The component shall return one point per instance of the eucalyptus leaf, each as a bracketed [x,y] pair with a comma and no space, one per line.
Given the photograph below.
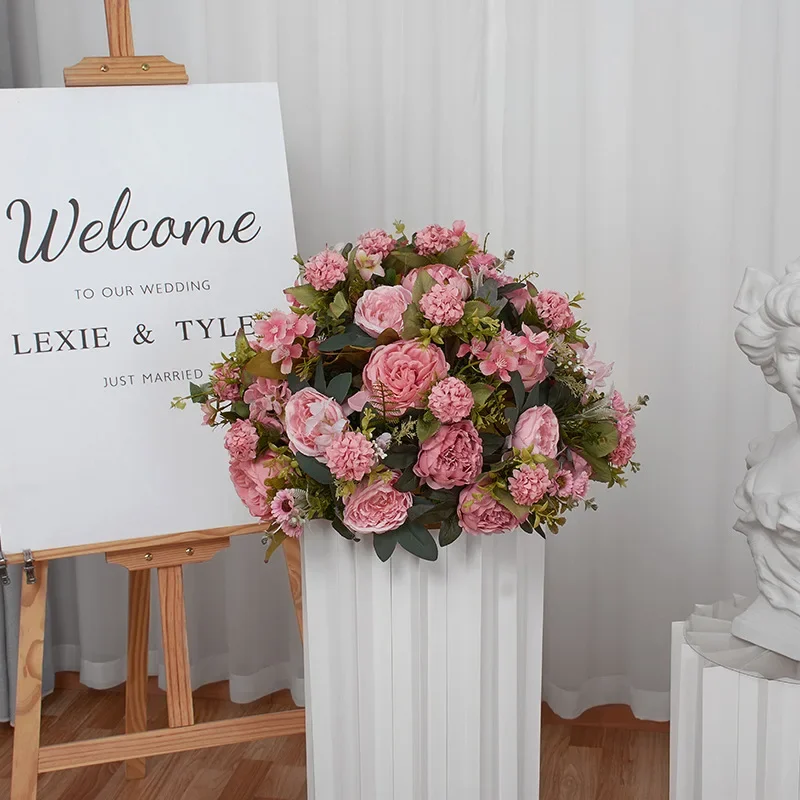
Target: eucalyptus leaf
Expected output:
[339,386]
[427,425]
[404,259]
[511,414]
[339,307]
[526,526]
[242,410]
[454,256]
[518,388]
[449,530]
[492,442]
[422,506]
[408,481]
[199,394]
[295,384]
[384,544]
[417,540]
[436,514]
[510,287]
[305,294]
[319,377]
[261,366]
[424,283]
[540,530]
[352,337]
[343,530]
[534,397]
[316,471]
[399,460]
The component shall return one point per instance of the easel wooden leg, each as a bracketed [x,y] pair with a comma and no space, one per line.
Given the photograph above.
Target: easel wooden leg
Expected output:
[180,710]
[25,770]
[136,685]
[291,552]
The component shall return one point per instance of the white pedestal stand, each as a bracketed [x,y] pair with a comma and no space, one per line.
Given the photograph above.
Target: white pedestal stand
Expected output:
[735,718]
[423,680]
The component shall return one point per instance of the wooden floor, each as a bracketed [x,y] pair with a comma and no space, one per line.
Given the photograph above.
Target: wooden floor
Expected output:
[605,755]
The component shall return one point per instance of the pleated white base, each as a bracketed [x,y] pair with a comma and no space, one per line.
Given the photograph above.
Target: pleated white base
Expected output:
[733,736]
[423,680]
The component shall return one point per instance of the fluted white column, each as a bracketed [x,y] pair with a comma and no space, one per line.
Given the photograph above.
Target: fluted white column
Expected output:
[423,680]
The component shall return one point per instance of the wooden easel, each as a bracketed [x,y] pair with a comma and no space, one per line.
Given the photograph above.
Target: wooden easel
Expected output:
[166,554]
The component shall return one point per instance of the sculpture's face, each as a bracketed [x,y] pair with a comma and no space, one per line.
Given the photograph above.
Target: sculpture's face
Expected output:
[787,361]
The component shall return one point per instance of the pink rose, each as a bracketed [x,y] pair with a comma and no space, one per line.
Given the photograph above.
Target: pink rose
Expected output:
[443,274]
[379,309]
[312,420]
[376,243]
[376,507]
[248,479]
[399,375]
[450,400]
[453,456]
[537,429]
[553,309]
[442,305]
[241,440]
[479,512]
[325,270]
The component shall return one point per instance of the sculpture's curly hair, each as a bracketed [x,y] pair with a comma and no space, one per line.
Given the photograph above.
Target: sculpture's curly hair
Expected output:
[757,333]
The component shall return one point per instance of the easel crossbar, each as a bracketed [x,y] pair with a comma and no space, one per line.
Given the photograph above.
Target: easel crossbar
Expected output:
[170,740]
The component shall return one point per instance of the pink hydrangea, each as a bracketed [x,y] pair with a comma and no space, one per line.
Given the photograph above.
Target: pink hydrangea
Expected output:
[350,456]
[529,484]
[618,403]
[325,270]
[478,512]
[624,451]
[382,308]
[225,380]
[553,310]
[267,399]
[376,242]
[241,440]
[435,239]
[451,400]
[442,305]
[441,273]
[453,456]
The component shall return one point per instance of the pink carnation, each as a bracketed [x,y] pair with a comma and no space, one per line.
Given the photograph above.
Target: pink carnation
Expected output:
[581,472]
[249,478]
[478,512]
[442,305]
[435,239]
[312,421]
[226,381]
[241,440]
[282,507]
[453,456]
[376,507]
[376,243]
[443,274]
[624,451]
[561,485]
[529,484]
[537,430]
[325,270]
[553,309]
[350,456]
[450,400]
[382,308]
[266,398]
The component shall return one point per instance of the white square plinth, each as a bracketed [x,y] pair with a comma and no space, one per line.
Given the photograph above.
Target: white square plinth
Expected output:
[732,736]
[423,680]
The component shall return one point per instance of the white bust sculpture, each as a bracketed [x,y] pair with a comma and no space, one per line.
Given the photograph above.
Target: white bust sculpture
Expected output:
[769,496]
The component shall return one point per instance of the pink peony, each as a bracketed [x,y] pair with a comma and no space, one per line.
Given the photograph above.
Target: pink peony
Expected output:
[312,420]
[241,440]
[376,507]
[479,512]
[442,305]
[325,270]
[624,451]
[376,243]
[529,484]
[248,479]
[537,430]
[350,456]
[453,456]
[379,309]
[536,348]
[225,380]
[441,273]
[266,398]
[435,239]
[450,400]
[399,375]
[553,309]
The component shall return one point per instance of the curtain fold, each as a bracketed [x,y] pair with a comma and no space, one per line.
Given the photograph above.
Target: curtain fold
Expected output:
[641,150]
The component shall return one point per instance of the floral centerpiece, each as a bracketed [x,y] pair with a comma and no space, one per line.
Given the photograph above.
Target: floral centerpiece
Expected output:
[413,384]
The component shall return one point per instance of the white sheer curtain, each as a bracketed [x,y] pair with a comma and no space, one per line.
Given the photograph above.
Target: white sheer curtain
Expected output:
[642,150]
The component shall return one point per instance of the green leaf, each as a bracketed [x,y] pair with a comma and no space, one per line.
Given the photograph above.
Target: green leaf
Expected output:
[436,514]
[540,530]
[242,410]
[319,377]
[199,394]
[400,460]
[455,255]
[352,337]
[481,393]
[449,531]
[505,498]
[346,250]
[477,308]
[343,530]
[511,414]
[261,366]
[510,287]
[408,481]
[603,438]
[526,526]
[417,539]
[295,384]
[424,283]
[339,386]
[316,471]
[384,544]
[404,259]
[339,307]
[492,442]
[420,508]
[413,320]
[488,291]
[518,388]
[305,294]
[601,471]
[534,397]
[427,425]
[243,349]
[276,541]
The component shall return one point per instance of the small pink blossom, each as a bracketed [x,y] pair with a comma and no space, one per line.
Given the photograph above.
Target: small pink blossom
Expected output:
[450,400]
[596,371]
[481,263]
[350,456]
[376,242]
[208,413]
[441,273]
[536,348]
[537,430]
[442,305]
[241,440]
[502,355]
[477,348]
[267,399]
[553,310]
[624,451]
[325,270]
[283,505]
[529,484]
[368,265]
[226,381]
[281,328]
[459,226]
[382,308]
[435,239]
[479,512]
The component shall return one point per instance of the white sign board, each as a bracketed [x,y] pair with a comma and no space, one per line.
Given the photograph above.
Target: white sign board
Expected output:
[139,227]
